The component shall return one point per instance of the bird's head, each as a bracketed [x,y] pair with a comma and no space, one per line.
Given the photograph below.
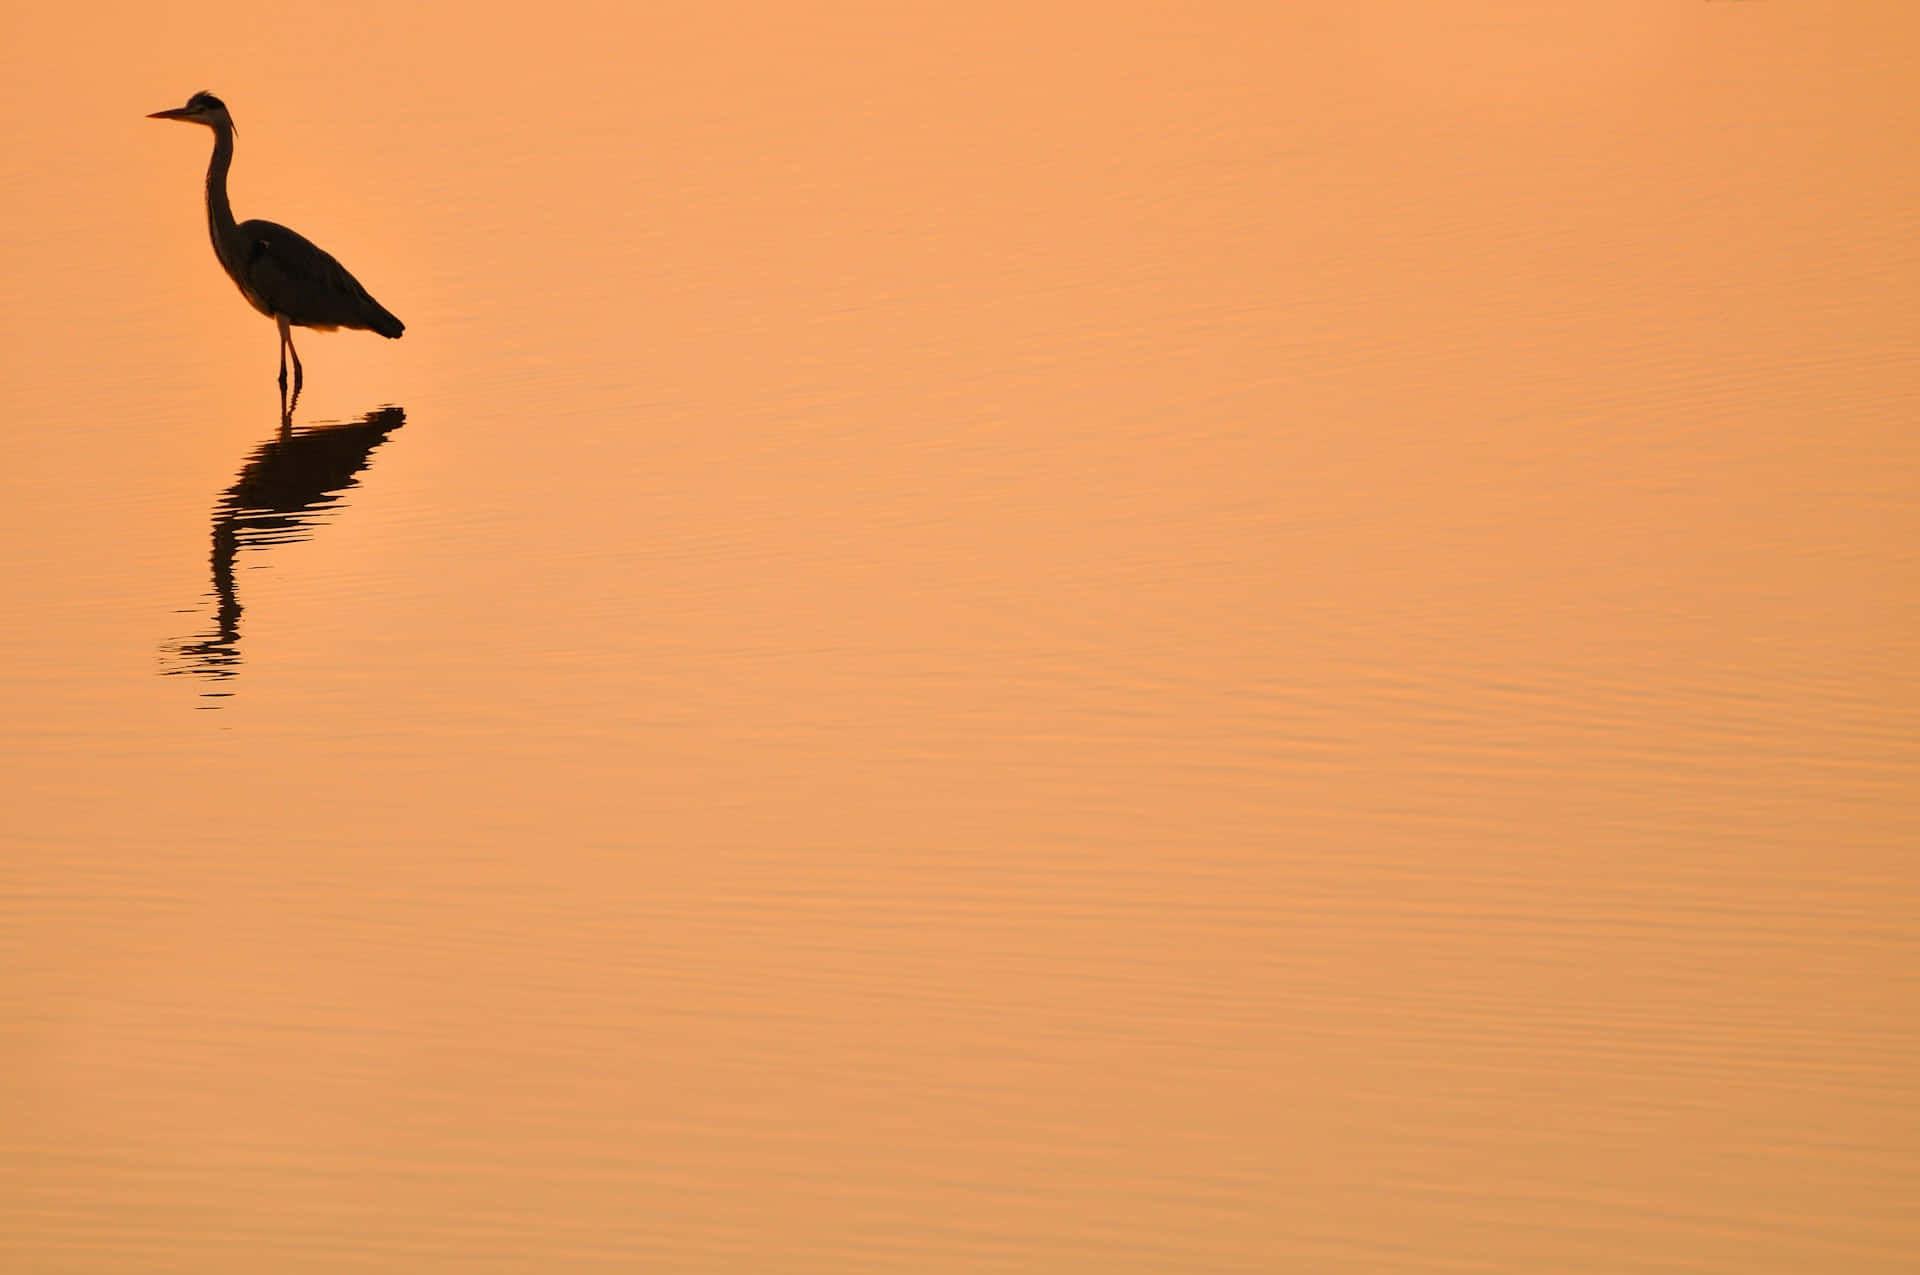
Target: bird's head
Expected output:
[201,108]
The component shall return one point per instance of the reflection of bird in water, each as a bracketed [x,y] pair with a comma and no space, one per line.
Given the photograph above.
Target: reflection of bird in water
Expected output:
[280,273]
[287,489]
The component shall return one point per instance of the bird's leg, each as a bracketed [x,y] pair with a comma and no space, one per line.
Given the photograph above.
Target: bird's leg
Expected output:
[286,348]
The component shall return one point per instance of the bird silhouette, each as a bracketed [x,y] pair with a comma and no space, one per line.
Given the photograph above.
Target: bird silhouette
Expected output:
[282,274]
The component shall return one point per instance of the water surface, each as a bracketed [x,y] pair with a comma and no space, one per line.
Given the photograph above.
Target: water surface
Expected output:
[1045,638]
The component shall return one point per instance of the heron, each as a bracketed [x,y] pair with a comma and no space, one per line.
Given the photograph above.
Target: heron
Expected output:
[283,275]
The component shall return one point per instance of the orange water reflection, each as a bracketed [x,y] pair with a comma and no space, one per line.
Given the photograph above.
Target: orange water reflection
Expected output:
[1222,637]
[287,489]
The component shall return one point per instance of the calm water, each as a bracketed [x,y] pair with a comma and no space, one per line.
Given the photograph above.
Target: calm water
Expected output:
[1228,638]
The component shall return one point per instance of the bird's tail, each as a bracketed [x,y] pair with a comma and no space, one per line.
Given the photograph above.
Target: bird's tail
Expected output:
[383,322]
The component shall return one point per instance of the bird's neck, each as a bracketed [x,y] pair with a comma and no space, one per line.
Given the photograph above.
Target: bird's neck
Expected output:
[220,213]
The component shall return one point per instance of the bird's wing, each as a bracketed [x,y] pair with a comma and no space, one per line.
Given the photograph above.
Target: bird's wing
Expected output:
[296,278]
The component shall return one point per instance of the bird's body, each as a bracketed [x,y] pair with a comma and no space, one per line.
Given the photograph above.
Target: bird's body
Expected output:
[281,271]
[282,274]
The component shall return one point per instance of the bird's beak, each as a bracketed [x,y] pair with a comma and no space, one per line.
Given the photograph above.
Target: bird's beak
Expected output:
[177,113]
